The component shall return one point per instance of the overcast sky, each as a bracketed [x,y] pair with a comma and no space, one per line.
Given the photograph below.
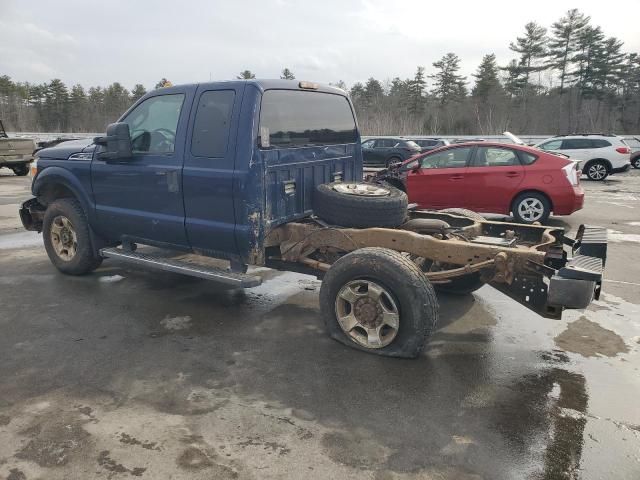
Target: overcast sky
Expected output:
[97,43]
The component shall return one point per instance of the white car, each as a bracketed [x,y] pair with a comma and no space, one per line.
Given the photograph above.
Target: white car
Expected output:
[598,155]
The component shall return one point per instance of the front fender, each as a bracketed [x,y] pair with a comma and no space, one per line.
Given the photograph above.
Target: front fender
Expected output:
[54,175]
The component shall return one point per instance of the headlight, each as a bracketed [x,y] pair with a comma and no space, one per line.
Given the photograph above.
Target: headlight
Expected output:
[81,156]
[33,168]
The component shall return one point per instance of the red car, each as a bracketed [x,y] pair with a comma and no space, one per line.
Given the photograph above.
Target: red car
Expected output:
[491,178]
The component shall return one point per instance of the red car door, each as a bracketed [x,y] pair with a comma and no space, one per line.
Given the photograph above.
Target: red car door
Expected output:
[492,179]
[439,180]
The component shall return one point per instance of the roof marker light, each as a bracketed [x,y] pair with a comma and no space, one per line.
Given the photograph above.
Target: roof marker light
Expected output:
[308,85]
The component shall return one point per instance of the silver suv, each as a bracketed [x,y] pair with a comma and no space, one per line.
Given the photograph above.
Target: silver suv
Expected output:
[599,155]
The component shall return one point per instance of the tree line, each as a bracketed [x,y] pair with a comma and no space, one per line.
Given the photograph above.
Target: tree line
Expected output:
[569,78]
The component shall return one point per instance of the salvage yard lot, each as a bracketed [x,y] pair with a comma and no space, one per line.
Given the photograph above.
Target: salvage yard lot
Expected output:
[127,373]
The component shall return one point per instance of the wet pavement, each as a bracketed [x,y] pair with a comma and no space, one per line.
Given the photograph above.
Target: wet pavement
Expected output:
[126,374]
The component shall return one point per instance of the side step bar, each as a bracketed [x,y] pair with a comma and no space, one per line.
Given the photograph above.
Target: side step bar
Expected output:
[239,280]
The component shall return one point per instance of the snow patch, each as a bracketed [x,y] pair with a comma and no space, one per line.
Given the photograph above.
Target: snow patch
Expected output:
[618,236]
[20,240]
[176,323]
[111,278]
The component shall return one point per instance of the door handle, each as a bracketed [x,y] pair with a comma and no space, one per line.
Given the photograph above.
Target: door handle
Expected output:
[456,177]
[513,174]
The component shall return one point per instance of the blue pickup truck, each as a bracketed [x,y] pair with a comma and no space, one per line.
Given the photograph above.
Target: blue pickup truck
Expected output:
[269,173]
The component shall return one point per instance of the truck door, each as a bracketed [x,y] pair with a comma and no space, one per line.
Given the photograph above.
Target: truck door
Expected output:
[208,173]
[141,196]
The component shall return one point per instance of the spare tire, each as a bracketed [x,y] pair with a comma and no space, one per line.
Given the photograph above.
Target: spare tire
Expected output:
[360,205]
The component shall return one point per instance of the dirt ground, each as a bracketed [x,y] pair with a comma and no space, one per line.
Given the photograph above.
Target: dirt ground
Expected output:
[132,374]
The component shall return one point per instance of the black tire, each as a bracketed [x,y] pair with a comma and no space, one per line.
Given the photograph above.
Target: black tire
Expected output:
[20,170]
[528,197]
[360,211]
[635,162]
[391,161]
[464,285]
[596,170]
[463,212]
[85,259]
[412,293]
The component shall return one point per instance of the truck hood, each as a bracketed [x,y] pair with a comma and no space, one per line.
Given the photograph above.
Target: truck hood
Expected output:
[65,149]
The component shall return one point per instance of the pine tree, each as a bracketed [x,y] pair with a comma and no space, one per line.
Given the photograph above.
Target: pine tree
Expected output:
[373,90]
[563,44]
[56,106]
[77,108]
[246,75]
[590,46]
[486,77]
[448,86]
[357,92]
[138,92]
[532,49]
[286,74]
[415,91]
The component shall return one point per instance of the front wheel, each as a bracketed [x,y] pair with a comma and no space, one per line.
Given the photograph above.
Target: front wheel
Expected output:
[530,208]
[378,301]
[392,160]
[597,171]
[67,240]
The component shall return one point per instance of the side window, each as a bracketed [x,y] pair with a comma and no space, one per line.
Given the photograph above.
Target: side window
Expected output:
[495,157]
[385,143]
[153,124]
[599,143]
[212,123]
[552,145]
[368,144]
[576,144]
[527,158]
[451,158]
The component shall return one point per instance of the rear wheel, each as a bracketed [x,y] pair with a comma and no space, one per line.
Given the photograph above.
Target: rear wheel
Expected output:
[67,240]
[378,301]
[20,170]
[597,170]
[635,162]
[531,207]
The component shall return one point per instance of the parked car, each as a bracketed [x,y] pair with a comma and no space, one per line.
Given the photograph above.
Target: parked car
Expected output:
[427,144]
[491,178]
[599,155]
[15,153]
[634,145]
[385,151]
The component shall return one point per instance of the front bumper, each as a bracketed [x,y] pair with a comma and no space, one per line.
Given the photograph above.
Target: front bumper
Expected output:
[31,214]
[15,159]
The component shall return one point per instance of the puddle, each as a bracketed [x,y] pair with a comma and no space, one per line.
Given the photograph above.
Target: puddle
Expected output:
[589,339]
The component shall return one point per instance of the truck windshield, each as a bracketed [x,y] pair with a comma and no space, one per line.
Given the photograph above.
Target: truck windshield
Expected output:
[293,118]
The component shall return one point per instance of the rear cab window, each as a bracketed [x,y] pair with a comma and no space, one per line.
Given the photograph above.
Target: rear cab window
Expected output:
[294,118]
[212,122]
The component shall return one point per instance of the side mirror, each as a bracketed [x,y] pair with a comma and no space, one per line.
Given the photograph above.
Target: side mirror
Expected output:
[116,144]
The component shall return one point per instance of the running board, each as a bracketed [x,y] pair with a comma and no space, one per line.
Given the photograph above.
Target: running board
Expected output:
[239,280]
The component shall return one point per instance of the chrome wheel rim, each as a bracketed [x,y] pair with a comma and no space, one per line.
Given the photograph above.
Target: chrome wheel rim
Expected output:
[597,171]
[63,238]
[367,313]
[362,189]
[531,209]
